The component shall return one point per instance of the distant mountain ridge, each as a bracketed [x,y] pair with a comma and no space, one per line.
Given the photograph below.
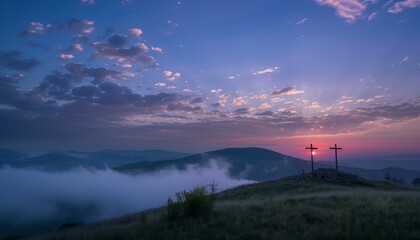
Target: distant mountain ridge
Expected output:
[257,164]
[64,161]
[249,163]
[8,156]
[407,161]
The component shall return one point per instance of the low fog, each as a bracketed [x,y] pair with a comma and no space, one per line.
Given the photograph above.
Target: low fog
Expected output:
[34,201]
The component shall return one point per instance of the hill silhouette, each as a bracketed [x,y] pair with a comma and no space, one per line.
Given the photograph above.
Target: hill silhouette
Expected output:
[9,156]
[248,163]
[257,164]
[65,161]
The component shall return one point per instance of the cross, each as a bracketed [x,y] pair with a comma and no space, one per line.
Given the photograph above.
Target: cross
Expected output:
[336,148]
[312,155]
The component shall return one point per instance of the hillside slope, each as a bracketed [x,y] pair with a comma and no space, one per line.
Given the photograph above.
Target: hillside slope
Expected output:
[322,205]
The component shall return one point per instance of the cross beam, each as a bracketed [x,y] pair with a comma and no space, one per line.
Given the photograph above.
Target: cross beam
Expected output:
[312,155]
[336,161]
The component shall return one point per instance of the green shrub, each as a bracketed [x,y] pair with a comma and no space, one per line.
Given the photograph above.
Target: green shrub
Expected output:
[416,182]
[393,179]
[196,202]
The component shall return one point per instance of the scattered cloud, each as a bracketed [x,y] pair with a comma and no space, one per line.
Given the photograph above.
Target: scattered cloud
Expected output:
[242,111]
[167,73]
[398,7]
[114,49]
[11,60]
[117,41]
[287,91]
[157,49]
[231,77]
[174,77]
[125,2]
[160,84]
[350,10]
[264,106]
[224,96]
[34,28]
[314,105]
[218,104]
[197,100]
[267,70]
[372,16]
[405,59]
[266,113]
[126,65]
[216,91]
[238,101]
[63,56]
[88,2]
[171,76]
[75,47]
[135,32]
[302,21]
[259,96]
[78,26]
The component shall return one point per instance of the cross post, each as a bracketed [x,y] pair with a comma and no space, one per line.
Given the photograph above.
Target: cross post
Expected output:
[312,155]
[336,161]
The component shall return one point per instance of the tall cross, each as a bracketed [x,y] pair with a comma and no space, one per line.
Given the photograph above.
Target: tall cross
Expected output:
[312,155]
[336,161]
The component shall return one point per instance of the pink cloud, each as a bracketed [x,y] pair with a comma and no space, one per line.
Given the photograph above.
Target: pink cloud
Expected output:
[267,70]
[33,28]
[347,9]
[77,47]
[167,73]
[287,91]
[135,31]
[399,6]
[66,56]
[157,49]
[238,101]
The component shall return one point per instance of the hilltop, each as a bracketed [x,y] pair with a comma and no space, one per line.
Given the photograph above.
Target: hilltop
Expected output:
[324,204]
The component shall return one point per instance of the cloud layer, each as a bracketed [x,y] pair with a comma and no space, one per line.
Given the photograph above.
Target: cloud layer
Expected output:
[47,200]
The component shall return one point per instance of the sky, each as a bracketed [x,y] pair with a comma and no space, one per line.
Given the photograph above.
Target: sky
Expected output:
[195,76]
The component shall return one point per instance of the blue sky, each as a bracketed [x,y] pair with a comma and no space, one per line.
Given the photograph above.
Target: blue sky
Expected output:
[199,75]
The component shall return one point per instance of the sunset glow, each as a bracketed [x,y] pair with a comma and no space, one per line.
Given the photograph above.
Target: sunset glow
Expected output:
[201,75]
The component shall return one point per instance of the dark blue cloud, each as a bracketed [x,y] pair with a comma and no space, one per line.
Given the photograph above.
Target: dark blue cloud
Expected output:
[11,60]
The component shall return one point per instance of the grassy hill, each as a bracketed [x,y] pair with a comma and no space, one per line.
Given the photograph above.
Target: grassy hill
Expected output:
[322,205]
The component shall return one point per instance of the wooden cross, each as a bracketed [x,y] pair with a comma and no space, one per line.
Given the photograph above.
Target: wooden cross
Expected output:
[312,155]
[336,161]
